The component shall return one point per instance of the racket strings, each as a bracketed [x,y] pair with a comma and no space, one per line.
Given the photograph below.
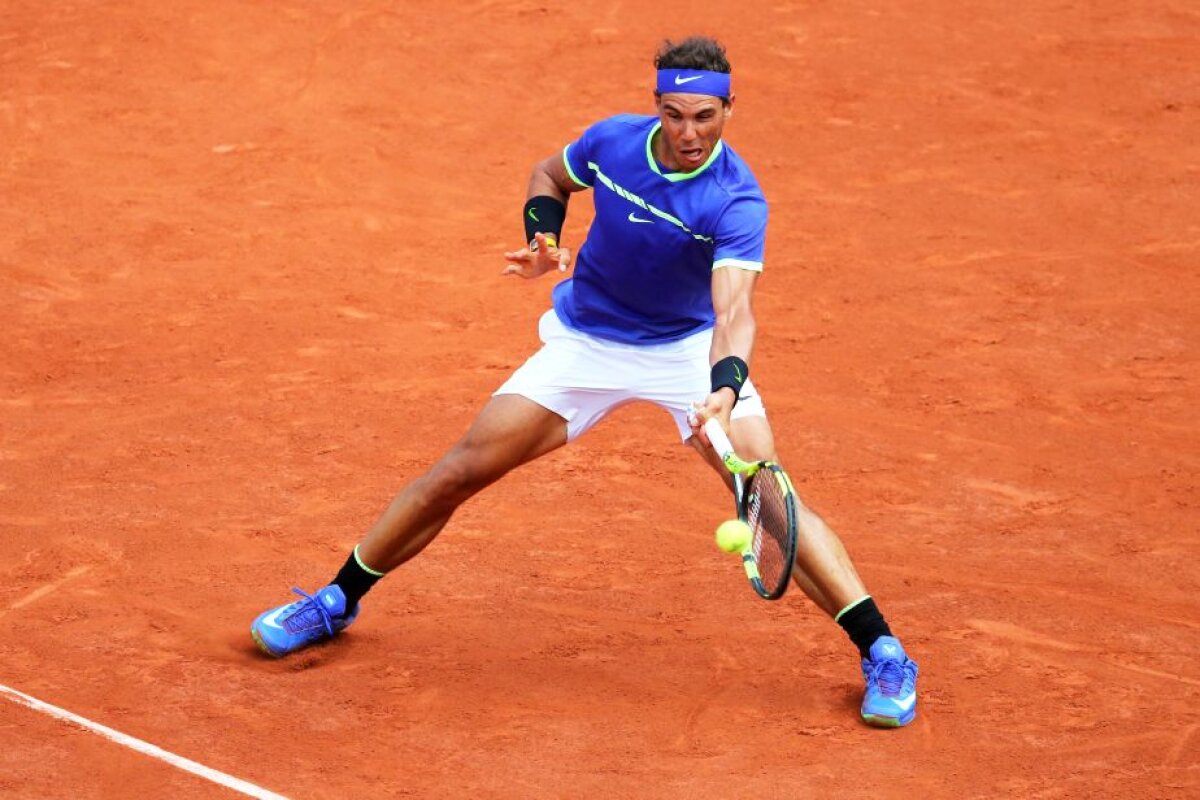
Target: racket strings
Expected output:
[767,515]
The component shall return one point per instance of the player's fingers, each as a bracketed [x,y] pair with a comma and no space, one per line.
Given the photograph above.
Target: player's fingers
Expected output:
[696,419]
[564,259]
[547,259]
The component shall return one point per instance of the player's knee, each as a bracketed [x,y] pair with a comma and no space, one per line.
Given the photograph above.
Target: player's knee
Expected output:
[760,454]
[457,477]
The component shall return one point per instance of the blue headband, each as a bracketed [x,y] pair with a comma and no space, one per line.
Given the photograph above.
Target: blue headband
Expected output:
[693,81]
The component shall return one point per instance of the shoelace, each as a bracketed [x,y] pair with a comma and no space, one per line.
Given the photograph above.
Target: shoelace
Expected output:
[889,674]
[310,600]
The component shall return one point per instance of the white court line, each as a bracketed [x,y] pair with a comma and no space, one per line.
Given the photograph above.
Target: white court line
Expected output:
[185,764]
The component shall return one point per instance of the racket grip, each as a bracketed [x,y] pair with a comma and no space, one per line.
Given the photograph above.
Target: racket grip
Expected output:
[716,435]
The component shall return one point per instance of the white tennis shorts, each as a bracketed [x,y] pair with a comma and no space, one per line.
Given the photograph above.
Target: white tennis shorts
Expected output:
[582,378]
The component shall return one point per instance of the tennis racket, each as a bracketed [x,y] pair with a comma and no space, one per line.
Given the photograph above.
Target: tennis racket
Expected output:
[766,501]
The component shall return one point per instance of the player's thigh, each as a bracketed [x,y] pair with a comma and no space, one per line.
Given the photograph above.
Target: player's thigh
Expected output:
[752,438]
[510,431]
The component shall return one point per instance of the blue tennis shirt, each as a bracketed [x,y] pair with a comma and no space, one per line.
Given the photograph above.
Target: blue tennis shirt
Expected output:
[644,273]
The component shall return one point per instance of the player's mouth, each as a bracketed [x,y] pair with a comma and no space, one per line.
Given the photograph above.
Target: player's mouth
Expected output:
[691,157]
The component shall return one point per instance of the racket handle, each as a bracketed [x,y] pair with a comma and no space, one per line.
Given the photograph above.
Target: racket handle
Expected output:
[716,435]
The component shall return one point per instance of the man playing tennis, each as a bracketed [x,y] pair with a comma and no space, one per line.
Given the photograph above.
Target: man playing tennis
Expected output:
[658,309]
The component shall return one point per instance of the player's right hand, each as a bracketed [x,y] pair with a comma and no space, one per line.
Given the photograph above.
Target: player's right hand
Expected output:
[532,263]
[718,405]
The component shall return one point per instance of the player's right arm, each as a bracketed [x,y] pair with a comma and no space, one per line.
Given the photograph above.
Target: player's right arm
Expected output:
[737,262]
[732,342]
[550,188]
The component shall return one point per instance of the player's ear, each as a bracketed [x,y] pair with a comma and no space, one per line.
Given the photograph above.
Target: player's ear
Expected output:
[729,107]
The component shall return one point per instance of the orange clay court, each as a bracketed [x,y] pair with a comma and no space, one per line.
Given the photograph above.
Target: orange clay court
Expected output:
[249,283]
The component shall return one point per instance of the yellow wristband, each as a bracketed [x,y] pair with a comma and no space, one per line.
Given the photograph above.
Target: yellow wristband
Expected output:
[550,240]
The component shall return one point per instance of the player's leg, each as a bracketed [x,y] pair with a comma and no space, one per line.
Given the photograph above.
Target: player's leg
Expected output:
[824,572]
[823,569]
[510,431]
[798,576]
[564,389]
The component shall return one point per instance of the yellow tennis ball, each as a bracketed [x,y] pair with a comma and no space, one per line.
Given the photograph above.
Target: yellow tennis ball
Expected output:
[733,535]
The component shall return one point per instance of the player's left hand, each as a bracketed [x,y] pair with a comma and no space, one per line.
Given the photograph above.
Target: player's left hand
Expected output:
[533,263]
[718,404]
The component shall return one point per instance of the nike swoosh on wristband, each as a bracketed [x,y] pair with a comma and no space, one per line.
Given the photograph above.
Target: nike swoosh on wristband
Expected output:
[680,80]
[633,218]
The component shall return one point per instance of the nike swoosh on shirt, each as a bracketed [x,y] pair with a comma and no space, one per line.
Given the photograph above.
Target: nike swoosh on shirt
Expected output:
[633,218]
[680,80]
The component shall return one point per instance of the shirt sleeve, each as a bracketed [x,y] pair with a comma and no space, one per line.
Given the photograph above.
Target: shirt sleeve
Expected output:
[741,235]
[578,154]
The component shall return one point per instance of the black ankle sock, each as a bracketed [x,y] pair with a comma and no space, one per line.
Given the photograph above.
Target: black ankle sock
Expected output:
[864,624]
[355,581]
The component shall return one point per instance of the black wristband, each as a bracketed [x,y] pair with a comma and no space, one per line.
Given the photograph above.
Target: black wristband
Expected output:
[544,214]
[730,371]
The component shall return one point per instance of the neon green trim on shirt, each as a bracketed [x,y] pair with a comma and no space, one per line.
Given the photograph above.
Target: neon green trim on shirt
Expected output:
[607,182]
[571,172]
[675,177]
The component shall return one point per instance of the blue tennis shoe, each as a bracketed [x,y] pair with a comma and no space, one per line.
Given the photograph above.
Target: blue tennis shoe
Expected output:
[311,619]
[891,676]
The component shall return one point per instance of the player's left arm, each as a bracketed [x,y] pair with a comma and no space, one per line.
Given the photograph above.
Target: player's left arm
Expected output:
[548,181]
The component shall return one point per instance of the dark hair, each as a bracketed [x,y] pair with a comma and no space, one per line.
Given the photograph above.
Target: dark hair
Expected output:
[694,52]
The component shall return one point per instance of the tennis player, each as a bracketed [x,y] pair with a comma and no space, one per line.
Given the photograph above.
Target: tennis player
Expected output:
[658,309]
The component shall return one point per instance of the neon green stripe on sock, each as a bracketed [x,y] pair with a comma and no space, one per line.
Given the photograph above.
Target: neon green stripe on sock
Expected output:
[838,618]
[358,558]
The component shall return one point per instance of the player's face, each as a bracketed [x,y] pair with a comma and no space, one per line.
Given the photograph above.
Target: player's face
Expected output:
[691,127]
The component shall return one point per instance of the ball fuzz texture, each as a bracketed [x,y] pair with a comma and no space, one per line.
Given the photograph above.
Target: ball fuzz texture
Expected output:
[733,535]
